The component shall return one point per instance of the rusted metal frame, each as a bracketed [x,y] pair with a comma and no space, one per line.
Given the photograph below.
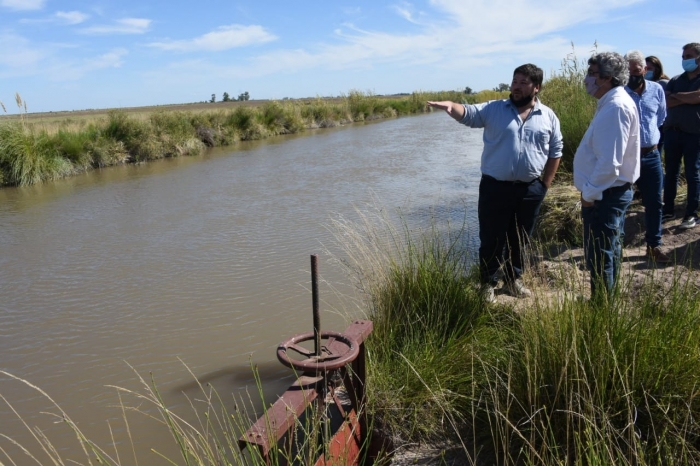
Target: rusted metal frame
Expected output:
[315,304]
[355,378]
[281,417]
[344,448]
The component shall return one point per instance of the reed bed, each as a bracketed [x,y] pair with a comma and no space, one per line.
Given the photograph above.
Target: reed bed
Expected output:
[33,152]
[567,381]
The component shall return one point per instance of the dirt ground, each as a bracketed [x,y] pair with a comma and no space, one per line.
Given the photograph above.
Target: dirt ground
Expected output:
[562,270]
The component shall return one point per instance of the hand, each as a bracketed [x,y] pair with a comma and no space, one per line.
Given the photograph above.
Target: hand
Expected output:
[585,203]
[454,110]
[444,105]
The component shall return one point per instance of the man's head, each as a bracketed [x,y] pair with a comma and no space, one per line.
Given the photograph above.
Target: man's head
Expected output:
[527,82]
[691,54]
[637,66]
[606,70]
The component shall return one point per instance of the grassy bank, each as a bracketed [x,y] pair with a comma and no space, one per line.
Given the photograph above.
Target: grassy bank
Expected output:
[35,150]
[565,382]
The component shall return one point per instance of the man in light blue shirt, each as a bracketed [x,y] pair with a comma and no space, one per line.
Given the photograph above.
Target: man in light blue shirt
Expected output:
[651,105]
[522,141]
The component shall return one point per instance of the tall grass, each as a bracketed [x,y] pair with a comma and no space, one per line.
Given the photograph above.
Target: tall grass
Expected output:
[563,382]
[206,434]
[31,153]
[565,93]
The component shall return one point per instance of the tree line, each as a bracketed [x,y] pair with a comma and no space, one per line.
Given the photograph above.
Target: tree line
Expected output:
[227,98]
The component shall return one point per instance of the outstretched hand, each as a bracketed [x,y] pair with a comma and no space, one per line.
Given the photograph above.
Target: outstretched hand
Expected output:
[445,105]
[454,110]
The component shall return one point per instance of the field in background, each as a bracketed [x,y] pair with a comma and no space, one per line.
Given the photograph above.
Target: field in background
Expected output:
[42,147]
[70,116]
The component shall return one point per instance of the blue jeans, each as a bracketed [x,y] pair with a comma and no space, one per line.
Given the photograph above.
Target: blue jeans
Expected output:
[681,146]
[507,214]
[651,184]
[603,225]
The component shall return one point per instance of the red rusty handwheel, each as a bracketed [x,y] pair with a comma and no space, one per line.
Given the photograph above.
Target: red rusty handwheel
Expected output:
[326,361]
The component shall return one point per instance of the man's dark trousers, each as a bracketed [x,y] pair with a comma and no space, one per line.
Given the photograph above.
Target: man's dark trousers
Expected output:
[650,184]
[681,146]
[507,214]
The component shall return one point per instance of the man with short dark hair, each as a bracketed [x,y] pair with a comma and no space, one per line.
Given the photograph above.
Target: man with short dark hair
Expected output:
[522,141]
[606,164]
[682,136]
[650,100]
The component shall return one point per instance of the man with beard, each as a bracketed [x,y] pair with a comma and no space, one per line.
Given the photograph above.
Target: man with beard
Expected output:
[522,142]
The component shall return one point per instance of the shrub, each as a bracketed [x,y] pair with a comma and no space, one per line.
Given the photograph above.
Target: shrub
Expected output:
[565,93]
[29,157]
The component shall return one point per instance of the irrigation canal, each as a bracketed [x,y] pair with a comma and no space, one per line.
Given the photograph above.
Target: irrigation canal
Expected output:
[199,261]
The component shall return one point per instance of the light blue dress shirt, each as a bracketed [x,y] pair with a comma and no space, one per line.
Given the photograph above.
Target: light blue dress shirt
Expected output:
[651,106]
[515,150]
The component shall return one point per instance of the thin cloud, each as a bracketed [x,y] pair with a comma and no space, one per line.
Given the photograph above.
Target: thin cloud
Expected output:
[18,54]
[23,4]
[73,71]
[71,17]
[121,26]
[223,38]
[61,17]
[405,11]
[464,34]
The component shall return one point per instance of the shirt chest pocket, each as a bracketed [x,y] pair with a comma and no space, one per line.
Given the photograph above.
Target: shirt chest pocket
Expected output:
[536,141]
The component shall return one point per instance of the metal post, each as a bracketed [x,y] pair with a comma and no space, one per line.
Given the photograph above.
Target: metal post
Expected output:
[314,296]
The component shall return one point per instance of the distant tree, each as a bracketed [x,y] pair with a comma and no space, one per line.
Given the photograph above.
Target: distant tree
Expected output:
[468,90]
[213,98]
[244,96]
[226,97]
[502,87]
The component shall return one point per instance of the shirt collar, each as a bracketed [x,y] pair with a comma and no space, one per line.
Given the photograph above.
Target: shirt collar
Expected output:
[610,95]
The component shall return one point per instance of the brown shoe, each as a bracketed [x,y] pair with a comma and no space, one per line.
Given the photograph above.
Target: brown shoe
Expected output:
[655,255]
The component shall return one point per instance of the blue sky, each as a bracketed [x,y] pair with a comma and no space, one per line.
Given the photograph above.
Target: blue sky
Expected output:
[70,55]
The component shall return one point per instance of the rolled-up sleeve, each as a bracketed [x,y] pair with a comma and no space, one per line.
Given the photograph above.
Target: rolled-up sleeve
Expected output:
[556,144]
[474,115]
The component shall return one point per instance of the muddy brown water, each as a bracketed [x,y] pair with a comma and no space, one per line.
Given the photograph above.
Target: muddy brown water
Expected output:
[197,265]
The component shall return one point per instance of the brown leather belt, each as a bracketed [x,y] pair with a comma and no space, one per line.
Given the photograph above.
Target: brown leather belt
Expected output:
[646,150]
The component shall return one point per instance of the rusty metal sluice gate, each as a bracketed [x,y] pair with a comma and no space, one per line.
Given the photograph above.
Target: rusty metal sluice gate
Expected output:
[330,388]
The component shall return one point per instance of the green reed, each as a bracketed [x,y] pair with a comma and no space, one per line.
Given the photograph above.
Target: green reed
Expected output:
[205,433]
[562,381]
[565,93]
[32,153]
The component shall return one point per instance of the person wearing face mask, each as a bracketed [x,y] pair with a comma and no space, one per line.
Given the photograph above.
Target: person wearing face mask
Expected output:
[522,149]
[606,164]
[650,100]
[655,72]
[682,136]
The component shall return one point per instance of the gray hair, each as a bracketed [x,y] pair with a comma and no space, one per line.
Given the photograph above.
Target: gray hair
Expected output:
[635,56]
[693,46]
[611,65]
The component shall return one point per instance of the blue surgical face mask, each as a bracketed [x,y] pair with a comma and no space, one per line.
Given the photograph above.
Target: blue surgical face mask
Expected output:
[689,65]
[649,75]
